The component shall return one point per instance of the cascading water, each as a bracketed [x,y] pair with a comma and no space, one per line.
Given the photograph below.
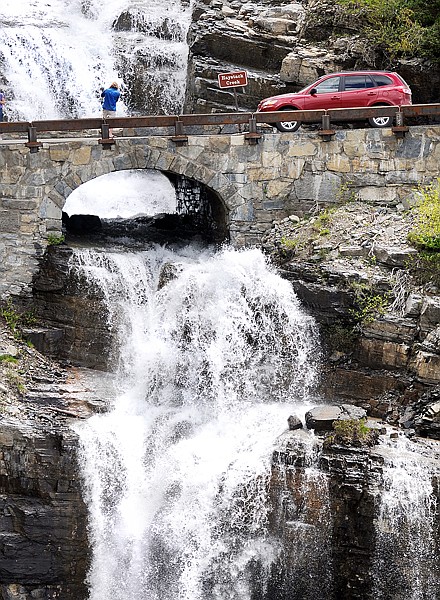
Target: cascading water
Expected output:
[55,56]
[407,563]
[176,472]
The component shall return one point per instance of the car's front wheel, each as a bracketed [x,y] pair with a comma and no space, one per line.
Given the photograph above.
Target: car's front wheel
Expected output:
[287,126]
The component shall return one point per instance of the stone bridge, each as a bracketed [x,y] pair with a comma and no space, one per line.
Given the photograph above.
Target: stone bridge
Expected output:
[249,186]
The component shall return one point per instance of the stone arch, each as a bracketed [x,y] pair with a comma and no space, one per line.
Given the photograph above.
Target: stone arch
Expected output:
[81,167]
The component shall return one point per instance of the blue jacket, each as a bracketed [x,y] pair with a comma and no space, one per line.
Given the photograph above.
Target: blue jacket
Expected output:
[111,96]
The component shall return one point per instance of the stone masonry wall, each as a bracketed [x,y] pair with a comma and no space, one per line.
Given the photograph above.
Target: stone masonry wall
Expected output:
[281,175]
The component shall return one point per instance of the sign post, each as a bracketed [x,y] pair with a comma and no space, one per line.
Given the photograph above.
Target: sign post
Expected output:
[233,80]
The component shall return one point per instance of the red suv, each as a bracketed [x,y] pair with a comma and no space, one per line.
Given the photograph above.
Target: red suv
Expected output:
[343,90]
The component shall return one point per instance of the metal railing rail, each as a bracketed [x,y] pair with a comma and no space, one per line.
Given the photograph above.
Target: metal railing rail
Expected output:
[181,123]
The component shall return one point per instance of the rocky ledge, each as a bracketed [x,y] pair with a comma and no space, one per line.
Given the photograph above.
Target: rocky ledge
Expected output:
[44,549]
[377,306]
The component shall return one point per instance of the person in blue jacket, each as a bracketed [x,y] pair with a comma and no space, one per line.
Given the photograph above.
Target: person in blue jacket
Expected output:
[111,96]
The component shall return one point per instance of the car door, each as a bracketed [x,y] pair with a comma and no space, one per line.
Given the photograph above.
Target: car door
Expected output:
[357,91]
[326,94]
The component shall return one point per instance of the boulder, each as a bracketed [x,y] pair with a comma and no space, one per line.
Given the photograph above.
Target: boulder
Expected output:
[294,422]
[321,418]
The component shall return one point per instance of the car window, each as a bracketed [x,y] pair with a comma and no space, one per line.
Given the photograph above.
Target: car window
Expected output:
[382,80]
[358,82]
[355,82]
[328,85]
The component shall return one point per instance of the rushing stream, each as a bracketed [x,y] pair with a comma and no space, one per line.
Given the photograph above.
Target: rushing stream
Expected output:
[210,364]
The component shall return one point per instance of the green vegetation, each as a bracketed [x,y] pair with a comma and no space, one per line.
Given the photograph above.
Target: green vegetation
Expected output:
[352,432]
[289,243]
[425,235]
[346,194]
[7,358]
[323,220]
[368,305]
[400,28]
[55,239]
[16,320]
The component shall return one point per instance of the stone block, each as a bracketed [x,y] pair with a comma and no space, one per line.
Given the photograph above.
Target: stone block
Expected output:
[59,153]
[302,148]
[244,212]
[378,195]
[321,418]
[391,328]
[81,156]
[49,210]
[340,164]
[9,221]
[21,205]
[123,161]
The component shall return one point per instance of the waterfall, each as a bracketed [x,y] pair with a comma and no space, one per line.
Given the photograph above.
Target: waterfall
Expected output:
[407,563]
[55,56]
[213,351]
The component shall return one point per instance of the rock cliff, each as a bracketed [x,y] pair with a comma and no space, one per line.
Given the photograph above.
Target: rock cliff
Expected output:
[283,45]
[377,305]
[44,551]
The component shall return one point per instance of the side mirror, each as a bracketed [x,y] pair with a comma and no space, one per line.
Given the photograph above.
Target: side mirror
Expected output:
[313,92]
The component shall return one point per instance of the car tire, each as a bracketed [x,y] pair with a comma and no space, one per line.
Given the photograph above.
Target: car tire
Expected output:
[288,126]
[380,121]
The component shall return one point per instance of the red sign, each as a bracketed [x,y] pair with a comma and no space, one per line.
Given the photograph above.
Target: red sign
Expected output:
[236,79]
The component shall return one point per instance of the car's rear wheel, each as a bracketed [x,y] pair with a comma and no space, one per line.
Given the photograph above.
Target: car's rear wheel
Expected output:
[287,126]
[380,121]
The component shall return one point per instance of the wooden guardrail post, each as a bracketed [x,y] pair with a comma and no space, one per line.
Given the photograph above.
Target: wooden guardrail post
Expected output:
[325,132]
[106,140]
[33,144]
[179,137]
[252,136]
[399,128]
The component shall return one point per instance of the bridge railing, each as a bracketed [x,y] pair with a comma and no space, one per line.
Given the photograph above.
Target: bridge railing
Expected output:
[180,126]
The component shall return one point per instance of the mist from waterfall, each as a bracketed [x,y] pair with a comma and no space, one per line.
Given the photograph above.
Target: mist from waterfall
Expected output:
[56,56]
[213,352]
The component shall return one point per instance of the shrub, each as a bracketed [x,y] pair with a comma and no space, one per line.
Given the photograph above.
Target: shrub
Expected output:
[55,239]
[7,358]
[368,305]
[399,27]
[14,319]
[352,432]
[426,233]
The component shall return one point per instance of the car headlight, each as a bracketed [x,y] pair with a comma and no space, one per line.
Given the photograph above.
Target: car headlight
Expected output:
[268,104]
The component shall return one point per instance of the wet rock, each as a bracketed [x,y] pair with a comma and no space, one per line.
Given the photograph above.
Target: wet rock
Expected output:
[82,223]
[294,423]
[169,272]
[321,418]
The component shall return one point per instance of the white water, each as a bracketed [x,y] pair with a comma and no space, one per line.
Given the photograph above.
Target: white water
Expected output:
[56,55]
[406,565]
[210,366]
[124,194]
